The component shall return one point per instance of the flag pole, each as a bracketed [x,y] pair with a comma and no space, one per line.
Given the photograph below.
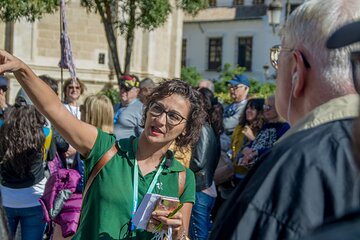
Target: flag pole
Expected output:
[61,53]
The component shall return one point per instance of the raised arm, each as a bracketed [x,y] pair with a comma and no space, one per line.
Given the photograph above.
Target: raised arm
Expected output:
[80,135]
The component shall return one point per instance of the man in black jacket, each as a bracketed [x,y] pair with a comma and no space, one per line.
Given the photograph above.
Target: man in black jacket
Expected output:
[309,175]
[346,227]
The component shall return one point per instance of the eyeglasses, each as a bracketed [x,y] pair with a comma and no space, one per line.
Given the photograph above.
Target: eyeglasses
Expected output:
[4,88]
[234,87]
[267,107]
[355,63]
[72,87]
[172,118]
[275,53]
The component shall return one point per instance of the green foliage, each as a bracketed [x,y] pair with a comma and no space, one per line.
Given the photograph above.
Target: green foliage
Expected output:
[111,93]
[153,13]
[192,6]
[256,89]
[227,73]
[149,14]
[191,75]
[13,10]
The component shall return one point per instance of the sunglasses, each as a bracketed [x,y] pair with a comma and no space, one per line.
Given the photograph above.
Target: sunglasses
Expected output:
[72,88]
[4,88]
[275,53]
[355,63]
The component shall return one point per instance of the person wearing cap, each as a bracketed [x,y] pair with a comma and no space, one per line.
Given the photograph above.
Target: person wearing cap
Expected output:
[309,175]
[129,113]
[239,87]
[3,89]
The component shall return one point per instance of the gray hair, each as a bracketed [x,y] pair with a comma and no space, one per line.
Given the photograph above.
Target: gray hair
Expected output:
[309,27]
[209,84]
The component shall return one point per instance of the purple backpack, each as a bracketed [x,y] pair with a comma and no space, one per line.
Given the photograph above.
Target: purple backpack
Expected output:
[60,203]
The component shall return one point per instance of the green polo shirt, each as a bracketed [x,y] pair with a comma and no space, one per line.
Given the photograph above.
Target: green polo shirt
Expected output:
[107,207]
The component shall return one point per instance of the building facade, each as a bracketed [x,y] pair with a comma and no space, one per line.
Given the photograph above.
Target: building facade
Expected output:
[156,54]
[235,32]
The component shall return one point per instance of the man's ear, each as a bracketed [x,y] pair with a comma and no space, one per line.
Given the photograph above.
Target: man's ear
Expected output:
[299,75]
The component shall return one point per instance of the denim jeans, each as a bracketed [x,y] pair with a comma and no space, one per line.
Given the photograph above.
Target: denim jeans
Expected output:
[200,217]
[32,225]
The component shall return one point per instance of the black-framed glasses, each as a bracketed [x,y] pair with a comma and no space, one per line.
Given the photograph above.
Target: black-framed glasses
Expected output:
[267,107]
[172,118]
[275,53]
[355,63]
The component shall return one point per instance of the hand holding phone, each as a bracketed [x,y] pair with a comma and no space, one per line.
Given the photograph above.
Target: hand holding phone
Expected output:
[159,227]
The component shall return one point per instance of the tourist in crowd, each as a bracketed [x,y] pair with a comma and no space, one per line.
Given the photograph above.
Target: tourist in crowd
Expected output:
[345,227]
[129,112]
[204,83]
[23,180]
[309,175]
[173,113]
[146,87]
[204,160]
[72,91]
[239,87]
[273,129]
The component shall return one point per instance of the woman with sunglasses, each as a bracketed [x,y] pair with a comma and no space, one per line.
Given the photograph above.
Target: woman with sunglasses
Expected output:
[174,112]
[72,91]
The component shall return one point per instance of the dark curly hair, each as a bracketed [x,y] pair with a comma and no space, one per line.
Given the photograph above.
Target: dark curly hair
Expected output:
[256,103]
[197,114]
[21,138]
[214,110]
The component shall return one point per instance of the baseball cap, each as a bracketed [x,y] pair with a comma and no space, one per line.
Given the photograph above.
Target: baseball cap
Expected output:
[128,82]
[239,79]
[348,34]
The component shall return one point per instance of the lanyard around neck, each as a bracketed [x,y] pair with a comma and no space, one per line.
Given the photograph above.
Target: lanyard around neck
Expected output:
[136,182]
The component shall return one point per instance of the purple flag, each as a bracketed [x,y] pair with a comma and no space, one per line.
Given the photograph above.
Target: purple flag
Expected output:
[67,60]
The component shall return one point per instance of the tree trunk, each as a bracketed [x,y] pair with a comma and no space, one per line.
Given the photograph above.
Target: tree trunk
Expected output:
[130,37]
[106,18]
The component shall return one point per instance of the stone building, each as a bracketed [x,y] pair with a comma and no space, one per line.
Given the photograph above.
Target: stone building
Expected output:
[156,54]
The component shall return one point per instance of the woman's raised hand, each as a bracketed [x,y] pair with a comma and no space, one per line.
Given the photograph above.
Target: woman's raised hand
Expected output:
[9,63]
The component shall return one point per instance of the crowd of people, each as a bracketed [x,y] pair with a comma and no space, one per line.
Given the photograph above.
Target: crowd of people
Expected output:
[293,157]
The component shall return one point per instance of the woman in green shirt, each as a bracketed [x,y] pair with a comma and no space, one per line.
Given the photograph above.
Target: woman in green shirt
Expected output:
[173,113]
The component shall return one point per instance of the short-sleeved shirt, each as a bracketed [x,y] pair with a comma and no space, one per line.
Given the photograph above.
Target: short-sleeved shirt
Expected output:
[106,210]
[128,120]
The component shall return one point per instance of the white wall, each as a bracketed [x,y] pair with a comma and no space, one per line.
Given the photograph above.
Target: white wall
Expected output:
[197,35]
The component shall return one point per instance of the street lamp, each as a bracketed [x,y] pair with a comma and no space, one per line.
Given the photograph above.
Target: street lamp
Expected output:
[274,14]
